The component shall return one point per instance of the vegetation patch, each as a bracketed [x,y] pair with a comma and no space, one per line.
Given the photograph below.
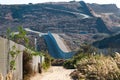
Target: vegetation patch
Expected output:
[47,61]
[97,67]
[84,52]
[58,62]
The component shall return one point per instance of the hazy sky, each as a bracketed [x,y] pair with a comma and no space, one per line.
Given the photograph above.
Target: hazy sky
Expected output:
[117,2]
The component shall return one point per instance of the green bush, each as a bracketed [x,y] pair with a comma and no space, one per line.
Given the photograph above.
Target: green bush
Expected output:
[69,64]
[47,62]
[85,51]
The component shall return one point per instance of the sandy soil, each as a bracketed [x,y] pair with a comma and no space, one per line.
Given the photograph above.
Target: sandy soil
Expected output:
[54,73]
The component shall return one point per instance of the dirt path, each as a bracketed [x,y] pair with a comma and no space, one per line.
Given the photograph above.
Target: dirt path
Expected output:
[55,73]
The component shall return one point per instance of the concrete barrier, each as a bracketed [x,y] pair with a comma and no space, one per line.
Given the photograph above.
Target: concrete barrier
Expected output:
[5,59]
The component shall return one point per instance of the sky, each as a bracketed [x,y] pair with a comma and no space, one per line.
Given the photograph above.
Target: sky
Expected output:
[117,2]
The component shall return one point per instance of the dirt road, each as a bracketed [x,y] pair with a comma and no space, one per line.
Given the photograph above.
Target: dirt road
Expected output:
[55,73]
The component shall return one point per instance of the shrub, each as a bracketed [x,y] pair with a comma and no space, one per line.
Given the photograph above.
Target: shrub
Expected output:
[47,62]
[57,62]
[69,64]
[97,68]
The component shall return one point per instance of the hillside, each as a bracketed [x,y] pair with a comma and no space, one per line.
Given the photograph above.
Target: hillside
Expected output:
[67,17]
[110,42]
[104,8]
[110,13]
[75,22]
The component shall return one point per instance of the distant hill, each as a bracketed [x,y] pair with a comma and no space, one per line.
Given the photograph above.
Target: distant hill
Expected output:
[110,42]
[67,17]
[110,13]
[104,8]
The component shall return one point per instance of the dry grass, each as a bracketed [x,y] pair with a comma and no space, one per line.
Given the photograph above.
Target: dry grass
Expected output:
[117,59]
[98,67]
[1,76]
[9,76]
